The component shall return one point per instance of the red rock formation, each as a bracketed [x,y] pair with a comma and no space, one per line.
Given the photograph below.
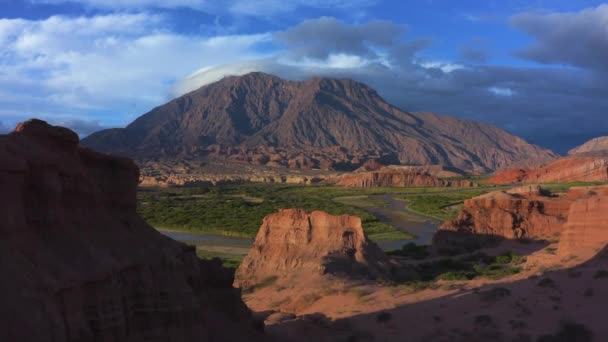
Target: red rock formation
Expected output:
[571,169]
[586,231]
[78,264]
[578,217]
[526,212]
[304,247]
[388,177]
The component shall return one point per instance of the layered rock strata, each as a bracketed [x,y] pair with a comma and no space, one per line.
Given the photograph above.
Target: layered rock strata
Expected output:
[578,218]
[303,247]
[571,169]
[396,178]
[78,264]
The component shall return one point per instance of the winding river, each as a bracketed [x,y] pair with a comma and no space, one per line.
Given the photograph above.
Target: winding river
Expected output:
[403,219]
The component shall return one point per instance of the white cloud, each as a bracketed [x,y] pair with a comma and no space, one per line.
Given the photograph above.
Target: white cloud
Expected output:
[443,66]
[105,63]
[259,8]
[501,91]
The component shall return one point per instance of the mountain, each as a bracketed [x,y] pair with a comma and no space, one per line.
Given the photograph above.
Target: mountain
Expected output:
[318,123]
[597,146]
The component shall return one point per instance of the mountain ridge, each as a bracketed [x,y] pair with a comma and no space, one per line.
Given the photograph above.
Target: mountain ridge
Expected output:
[341,120]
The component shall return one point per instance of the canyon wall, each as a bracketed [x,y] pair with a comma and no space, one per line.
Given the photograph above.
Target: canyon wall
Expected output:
[395,178]
[571,169]
[78,264]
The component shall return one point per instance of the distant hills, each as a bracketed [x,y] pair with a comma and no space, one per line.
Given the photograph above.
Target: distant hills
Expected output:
[318,123]
[597,146]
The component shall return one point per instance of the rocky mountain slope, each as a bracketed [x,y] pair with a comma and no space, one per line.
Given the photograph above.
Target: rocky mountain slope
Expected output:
[78,263]
[318,123]
[389,177]
[597,146]
[569,169]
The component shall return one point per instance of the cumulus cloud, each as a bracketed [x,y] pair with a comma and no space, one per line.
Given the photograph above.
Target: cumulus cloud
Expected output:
[577,39]
[117,64]
[538,103]
[318,38]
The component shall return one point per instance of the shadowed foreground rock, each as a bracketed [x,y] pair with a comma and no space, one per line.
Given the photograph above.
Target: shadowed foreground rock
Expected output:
[78,264]
[304,247]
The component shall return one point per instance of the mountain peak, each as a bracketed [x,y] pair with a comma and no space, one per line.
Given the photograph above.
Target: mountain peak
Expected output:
[308,118]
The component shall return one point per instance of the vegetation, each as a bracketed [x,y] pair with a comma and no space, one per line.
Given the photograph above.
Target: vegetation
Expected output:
[411,250]
[563,187]
[475,266]
[228,260]
[238,210]
[443,206]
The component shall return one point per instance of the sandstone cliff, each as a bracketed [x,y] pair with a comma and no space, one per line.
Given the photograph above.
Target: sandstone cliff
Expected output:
[571,169]
[78,264]
[586,231]
[577,218]
[390,177]
[303,248]
[525,212]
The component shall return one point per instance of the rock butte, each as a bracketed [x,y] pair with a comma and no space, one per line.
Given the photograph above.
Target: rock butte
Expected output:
[570,169]
[303,248]
[530,212]
[78,264]
[388,177]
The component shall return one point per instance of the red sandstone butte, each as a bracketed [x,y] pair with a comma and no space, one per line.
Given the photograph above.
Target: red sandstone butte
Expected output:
[525,212]
[78,263]
[303,248]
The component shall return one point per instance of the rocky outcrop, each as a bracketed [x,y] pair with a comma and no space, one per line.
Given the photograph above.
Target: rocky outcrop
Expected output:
[525,212]
[586,231]
[324,123]
[571,169]
[78,264]
[303,248]
[597,146]
[389,177]
[577,217]
[214,180]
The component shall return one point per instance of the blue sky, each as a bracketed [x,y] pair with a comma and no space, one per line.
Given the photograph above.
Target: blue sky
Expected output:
[534,68]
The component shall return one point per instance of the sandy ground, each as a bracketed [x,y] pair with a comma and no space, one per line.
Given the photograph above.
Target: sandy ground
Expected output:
[517,308]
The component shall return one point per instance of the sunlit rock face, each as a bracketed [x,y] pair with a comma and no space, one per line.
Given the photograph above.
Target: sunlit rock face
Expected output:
[303,248]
